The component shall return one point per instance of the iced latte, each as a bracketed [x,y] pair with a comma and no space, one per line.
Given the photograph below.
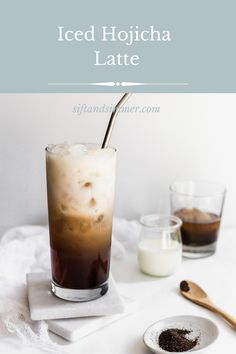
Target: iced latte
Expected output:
[80,184]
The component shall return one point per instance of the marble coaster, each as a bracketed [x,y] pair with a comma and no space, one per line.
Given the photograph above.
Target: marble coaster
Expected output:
[46,306]
[76,328]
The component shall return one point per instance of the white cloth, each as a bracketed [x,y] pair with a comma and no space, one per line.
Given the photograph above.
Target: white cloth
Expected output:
[25,249]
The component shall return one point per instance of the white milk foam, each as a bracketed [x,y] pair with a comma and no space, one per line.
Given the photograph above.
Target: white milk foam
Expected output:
[81,178]
[77,149]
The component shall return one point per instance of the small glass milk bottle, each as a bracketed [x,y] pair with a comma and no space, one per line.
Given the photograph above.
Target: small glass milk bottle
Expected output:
[160,245]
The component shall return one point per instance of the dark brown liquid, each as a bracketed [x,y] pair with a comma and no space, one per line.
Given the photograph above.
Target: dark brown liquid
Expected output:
[80,250]
[199,228]
[78,271]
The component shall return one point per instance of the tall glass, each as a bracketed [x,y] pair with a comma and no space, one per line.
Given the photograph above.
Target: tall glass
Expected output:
[80,185]
[199,204]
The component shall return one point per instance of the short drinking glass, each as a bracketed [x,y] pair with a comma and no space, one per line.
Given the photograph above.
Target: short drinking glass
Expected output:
[199,204]
[160,247]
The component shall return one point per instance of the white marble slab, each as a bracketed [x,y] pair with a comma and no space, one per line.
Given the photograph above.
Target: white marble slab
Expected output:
[46,306]
[74,329]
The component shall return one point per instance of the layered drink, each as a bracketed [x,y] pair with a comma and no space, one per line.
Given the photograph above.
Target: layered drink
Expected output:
[80,184]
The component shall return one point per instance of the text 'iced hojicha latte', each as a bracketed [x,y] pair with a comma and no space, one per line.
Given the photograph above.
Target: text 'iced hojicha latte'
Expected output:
[80,184]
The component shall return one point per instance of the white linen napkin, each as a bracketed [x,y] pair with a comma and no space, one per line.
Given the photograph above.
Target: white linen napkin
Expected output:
[25,249]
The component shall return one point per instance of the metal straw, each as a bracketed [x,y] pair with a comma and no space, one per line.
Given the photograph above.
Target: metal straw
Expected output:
[110,126]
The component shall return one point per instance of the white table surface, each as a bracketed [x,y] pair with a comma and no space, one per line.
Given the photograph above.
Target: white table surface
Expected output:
[159,298]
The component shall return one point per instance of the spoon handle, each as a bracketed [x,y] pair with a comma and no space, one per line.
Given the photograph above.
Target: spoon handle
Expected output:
[230,319]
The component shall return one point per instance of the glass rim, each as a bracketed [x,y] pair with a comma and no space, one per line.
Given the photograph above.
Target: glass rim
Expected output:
[199,182]
[178,222]
[88,144]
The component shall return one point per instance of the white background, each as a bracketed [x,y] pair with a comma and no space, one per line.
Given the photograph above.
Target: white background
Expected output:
[193,137]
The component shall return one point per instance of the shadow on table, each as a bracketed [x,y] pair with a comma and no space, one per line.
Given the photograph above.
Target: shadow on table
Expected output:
[138,347]
[126,270]
[59,340]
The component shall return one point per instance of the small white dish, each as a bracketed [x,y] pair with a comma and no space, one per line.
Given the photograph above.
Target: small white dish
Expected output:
[206,330]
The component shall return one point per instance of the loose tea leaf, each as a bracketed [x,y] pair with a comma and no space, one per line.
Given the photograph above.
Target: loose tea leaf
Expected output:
[175,340]
[184,286]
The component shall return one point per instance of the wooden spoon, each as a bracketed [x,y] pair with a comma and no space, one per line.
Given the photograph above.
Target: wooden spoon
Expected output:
[194,293]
